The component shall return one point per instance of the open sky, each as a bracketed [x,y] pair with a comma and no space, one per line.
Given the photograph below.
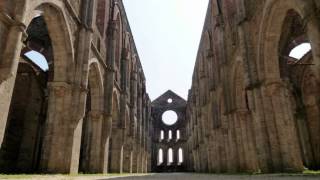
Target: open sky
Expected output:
[167,35]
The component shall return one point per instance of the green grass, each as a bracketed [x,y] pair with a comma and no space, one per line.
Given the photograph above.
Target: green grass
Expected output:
[311,172]
[29,176]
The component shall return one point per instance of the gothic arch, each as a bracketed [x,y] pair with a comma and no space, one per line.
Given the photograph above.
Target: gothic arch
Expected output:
[116,17]
[95,81]
[59,87]
[92,122]
[272,74]
[59,31]
[273,18]
[60,34]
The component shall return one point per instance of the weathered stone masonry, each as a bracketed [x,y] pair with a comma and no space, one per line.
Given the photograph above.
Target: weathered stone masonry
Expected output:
[170,137]
[89,111]
[250,108]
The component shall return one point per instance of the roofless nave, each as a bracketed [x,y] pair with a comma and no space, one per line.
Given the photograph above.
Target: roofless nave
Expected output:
[252,106]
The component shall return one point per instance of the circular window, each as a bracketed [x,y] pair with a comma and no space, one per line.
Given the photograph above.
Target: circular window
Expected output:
[169,100]
[169,117]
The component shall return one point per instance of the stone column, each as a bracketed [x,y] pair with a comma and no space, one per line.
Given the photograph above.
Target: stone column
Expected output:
[116,153]
[261,133]
[96,118]
[108,93]
[135,159]
[287,134]
[234,145]
[60,133]
[105,146]
[127,157]
[9,61]
[249,146]
[165,157]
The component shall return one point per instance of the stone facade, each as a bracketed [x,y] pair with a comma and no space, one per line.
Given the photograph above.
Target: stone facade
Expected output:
[169,137]
[89,111]
[252,107]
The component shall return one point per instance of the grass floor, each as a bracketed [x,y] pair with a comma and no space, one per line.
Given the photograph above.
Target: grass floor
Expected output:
[89,176]
[64,176]
[311,172]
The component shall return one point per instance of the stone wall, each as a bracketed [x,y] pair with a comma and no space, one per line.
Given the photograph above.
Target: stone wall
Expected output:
[89,112]
[169,134]
[248,109]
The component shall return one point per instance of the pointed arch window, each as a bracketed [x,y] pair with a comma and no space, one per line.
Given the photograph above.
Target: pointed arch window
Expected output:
[170,156]
[161,135]
[160,156]
[180,156]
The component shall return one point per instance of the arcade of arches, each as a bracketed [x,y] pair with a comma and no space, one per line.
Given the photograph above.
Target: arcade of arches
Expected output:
[73,95]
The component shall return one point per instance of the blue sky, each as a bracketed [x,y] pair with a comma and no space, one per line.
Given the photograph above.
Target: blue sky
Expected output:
[167,35]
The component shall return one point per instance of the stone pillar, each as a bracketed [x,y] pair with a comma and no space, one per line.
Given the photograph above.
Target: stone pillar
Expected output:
[289,145]
[261,133]
[135,160]
[61,138]
[247,136]
[108,93]
[165,157]
[96,118]
[116,153]
[104,161]
[9,61]
[175,157]
[234,145]
[128,156]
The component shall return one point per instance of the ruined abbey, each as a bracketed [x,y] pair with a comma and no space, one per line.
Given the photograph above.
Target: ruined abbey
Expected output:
[252,107]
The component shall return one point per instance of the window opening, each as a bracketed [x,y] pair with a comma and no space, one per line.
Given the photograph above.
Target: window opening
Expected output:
[169,117]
